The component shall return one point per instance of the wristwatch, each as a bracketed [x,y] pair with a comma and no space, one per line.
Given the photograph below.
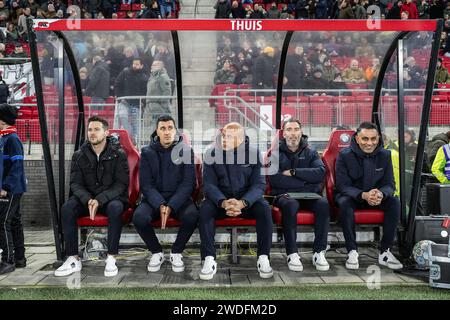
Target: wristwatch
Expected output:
[292,172]
[245,203]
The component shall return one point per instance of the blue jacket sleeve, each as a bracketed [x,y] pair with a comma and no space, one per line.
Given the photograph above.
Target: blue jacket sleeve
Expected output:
[344,183]
[13,181]
[257,185]
[186,186]
[211,185]
[388,181]
[316,171]
[147,182]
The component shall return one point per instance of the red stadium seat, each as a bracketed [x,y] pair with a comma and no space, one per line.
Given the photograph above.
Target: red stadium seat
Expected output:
[322,110]
[339,140]
[125,7]
[133,190]
[346,110]
[136,7]
[440,111]
[364,104]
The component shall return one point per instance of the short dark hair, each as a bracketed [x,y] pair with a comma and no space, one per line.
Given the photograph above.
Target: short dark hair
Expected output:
[164,118]
[367,125]
[99,119]
[290,120]
[138,59]
[448,132]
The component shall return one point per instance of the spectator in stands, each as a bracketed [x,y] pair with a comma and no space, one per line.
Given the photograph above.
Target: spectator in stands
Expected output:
[423,9]
[435,144]
[91,193]
[223,9]
[394,12]
[413,73]
[353,74]
[237,10]
[371,72]
[440,168]
[84,79]
[106,7]
[244,74]
[346,11]
[285,12]
[364,179]
[365,49]
[13,185]
[166,8]
[322,9]
[360,11]
[234,187]
[128,58]
[404,15]
[317,83]
[2,50]
[18,52]
[167,180]
[33,7]
[300,170]
[99,81]
[158,85]
[347,48]
[4,14]
[295,69]
[410,7]
[273,12]
[258,12]
[442,75]
[60,14]
[22,23]
[131,81]
[154,12]
[264,69]
[339,84]
[224,75]
[4,91]
[301,9]
[329,71]
[51,11]
[167,58]
[92,7]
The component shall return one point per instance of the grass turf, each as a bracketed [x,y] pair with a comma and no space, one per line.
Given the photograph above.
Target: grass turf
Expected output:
[305,292]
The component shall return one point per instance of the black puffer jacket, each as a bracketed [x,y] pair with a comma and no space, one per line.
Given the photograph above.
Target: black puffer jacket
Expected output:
[103,180]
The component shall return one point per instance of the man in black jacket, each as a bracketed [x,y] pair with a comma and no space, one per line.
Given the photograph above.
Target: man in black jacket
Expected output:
[131,82]
[99,83]
[365,180]
[300,170]
[166,179]
[99,180]
[234,187]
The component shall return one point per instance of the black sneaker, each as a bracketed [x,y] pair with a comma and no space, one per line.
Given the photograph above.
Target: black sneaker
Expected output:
[6,267]
[21,263]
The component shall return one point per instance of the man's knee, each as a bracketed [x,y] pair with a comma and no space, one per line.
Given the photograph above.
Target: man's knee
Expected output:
[322,207]
[69,210]
[190,216]
[346,207]
[141,216]
[207,211]
[261,210]
[114,209]
[288,206]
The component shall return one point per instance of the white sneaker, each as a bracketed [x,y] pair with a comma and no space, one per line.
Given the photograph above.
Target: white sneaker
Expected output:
[264,268]
[71,265]
[111,269]
[352,260]
[320,262]
[209,268]
[176,259]
[156,261]
[389,260]
[294,262]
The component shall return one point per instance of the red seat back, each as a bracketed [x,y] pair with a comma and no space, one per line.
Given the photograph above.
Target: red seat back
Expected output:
[133,163]
[339,140]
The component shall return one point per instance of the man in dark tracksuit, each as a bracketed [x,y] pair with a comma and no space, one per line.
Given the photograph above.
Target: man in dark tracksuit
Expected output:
[365,180]
[300,170]
[99,180]
[167,180]
[234,187]
[13,185]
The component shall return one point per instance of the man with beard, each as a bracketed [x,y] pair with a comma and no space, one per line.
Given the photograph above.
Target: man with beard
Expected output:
[166,179]
[234,187]
[131,82]
[365,180]
[300,170]
[99,180]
